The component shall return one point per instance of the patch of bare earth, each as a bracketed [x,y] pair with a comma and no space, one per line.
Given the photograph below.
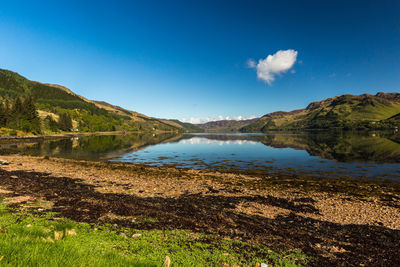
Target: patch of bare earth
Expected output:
[335,227]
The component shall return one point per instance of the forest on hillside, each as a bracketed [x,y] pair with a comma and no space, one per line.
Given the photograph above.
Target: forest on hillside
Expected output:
[38,108]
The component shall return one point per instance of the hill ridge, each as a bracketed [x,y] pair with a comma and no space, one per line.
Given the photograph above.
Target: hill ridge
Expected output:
[345,111]
[90,115]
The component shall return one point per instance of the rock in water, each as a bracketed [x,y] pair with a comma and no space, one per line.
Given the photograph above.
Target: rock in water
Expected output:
[167,261]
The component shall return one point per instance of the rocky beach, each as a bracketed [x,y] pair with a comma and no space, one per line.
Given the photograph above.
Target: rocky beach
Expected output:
[333,221]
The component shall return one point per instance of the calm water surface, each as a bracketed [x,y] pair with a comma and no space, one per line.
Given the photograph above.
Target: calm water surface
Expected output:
[341,154]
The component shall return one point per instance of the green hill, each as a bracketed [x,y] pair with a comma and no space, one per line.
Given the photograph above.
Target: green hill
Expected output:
[189,127]
[51,101]
[345,112]
[225,126]
[395,120]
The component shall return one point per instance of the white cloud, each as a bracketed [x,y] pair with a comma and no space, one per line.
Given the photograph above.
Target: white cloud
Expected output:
[273,65]
[251,63]
[219,118]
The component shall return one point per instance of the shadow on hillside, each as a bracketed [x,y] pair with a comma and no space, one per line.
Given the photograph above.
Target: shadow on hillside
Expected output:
[335,244]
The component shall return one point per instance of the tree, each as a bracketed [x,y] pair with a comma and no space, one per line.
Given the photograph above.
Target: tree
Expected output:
[51,124]
[29,109]
[16,117]
[3,115]
[7,112]
[32,121]
[17,108]
[65,122]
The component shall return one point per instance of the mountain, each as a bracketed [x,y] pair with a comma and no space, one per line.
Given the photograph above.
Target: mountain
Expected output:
[346,112]
[182,126]
[225,125]
[101,104]
[189,127]
[88,115]
[119,110]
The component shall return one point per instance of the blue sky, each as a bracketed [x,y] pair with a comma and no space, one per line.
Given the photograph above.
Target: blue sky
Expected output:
[189,59]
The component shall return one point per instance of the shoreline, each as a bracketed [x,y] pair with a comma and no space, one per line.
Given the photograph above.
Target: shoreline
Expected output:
[334,221]
[66,135]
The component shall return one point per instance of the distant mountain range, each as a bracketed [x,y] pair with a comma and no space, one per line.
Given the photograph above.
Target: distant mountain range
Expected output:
[189,127]
[380,111]
[225,125]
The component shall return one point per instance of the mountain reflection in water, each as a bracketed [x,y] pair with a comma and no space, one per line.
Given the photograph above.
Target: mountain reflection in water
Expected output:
[341,154]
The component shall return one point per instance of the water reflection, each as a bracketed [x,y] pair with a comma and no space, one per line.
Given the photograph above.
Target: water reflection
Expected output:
[339,146]
[90,147]
[210,141]
[367,154]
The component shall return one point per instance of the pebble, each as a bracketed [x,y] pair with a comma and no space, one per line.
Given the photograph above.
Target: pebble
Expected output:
[136,235]
[14,177]
[4,162]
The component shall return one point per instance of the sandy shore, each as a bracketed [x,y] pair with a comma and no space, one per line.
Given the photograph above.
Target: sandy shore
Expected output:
[337,222]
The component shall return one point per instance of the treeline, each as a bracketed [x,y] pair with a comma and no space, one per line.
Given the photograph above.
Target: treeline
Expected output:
[64,123]
[13,85]
[18,110]
[20,115]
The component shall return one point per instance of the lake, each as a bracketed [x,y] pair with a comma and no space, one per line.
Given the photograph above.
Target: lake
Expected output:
[373,155]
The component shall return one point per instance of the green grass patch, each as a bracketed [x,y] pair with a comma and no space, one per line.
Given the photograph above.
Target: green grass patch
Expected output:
[43,239]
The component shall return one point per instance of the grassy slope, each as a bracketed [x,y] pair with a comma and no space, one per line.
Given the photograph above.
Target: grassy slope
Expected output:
[225,125]
[189,127]
[347,111]
[13,85]
[37,239]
